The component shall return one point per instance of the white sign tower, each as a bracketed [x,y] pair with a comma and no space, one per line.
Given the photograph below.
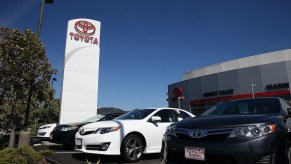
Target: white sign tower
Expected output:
[81,70]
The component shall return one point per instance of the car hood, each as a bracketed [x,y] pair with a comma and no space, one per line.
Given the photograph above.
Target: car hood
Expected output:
[73,124]
[227,121]
[52,124]
[111,123]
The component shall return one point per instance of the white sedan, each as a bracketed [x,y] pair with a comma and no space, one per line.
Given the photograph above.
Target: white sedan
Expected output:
[130,135]
[45,130]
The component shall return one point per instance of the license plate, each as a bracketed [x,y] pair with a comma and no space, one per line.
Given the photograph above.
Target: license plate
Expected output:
[195,153]
[78,141]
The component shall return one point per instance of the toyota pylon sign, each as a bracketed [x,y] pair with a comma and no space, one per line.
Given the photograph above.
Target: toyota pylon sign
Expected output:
[81,71]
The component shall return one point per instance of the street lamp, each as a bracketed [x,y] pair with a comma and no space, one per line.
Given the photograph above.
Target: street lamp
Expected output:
[53,79]
[41,13]
[253,86]
[30,86]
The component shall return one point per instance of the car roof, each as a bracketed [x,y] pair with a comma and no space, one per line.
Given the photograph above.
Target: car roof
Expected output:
[110,113]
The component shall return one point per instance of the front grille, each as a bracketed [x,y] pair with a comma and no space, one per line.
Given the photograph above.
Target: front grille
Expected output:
[93,147]
[87,132]
[214,138]
[203,134]
[59,127]
[184,137]
[266,159]
[42,134]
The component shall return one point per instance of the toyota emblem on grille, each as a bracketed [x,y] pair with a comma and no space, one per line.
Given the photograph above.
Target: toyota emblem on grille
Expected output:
[84,27]
[197,134]
[82,131]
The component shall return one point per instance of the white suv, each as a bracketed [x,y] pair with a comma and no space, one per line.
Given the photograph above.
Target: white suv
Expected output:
[130,135]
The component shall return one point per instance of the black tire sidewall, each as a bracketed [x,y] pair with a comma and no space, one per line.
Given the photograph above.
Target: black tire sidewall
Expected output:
[288,155]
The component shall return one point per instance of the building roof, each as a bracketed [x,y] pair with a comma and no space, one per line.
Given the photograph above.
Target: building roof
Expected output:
[256,60]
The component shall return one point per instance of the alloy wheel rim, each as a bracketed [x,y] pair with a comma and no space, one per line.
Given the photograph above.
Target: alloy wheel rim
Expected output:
[133,149]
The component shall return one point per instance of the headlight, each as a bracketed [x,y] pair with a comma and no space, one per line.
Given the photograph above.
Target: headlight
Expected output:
[253,131]
[107,130]
[69,128]
[171,130]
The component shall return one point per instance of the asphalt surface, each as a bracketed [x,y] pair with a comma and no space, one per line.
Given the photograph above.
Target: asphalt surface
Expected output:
[64,155]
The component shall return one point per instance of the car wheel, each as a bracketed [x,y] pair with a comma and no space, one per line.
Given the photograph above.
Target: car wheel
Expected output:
[132,148]
[288,160]
[163,153]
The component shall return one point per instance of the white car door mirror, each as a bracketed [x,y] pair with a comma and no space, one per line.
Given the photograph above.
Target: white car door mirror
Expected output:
[156,119]
[180,119]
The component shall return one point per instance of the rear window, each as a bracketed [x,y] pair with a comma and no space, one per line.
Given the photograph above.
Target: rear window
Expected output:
[245,107]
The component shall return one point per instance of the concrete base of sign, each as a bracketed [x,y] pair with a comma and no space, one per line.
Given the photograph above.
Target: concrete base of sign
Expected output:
[24,139]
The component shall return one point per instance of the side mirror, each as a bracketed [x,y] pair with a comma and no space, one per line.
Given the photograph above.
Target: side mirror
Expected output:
[289,112]
[156,119]
[180,119]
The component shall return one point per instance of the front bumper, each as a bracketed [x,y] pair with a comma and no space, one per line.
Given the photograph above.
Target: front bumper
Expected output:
[63,137]
[43,133]
[92,143]
[234,150]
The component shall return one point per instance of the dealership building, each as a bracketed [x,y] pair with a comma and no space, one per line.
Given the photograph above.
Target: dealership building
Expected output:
[261,75]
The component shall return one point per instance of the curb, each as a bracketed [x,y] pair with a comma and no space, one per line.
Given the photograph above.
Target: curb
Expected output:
[52,161]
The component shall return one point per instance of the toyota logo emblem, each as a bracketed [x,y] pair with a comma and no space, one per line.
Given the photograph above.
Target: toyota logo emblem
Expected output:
[85,28]
[81,131]
[178,92]
[197,134]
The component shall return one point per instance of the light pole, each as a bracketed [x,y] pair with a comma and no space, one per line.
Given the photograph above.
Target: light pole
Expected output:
[31,82]
[41,13]
[179,101]
[253,86]
[53,79]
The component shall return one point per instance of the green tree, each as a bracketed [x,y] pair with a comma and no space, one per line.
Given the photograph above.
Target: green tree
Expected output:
[25,75]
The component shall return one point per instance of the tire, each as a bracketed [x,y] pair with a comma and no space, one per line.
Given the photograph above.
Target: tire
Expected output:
[163,155]
[288,155]
[287,152]
[132,148]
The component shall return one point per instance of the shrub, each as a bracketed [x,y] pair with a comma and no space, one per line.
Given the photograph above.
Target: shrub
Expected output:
[23,155]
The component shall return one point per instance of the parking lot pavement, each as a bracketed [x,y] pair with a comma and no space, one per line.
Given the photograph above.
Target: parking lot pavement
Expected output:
[64,155]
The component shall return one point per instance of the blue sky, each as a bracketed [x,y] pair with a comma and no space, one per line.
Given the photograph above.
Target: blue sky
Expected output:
[146,45]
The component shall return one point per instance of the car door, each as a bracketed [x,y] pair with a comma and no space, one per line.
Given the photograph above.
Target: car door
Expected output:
[157,129]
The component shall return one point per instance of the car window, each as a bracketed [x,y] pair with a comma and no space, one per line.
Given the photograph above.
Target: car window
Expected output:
[184,115]
[243,107]
[166,115]
[110,117]
[284,105]
[137,114]
[94,118]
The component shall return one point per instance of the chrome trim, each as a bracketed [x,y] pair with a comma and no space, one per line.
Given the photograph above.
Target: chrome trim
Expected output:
[200,133]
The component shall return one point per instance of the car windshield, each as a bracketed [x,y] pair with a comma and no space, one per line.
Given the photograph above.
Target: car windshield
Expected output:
[94,118]
[137,114]
[244,107]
